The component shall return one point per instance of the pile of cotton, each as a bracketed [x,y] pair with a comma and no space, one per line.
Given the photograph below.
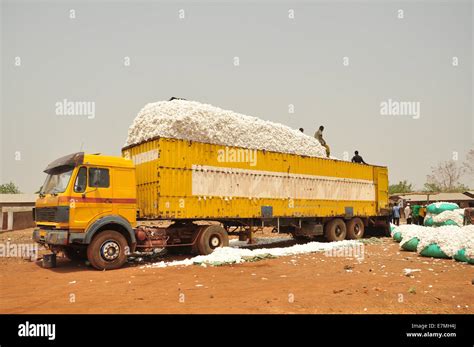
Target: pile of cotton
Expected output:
[232,255]
[194,121]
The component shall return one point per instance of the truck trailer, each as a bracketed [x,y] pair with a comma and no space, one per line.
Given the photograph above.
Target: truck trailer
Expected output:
[189,196]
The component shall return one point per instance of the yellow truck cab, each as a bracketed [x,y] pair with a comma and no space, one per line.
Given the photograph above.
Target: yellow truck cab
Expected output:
[88,199]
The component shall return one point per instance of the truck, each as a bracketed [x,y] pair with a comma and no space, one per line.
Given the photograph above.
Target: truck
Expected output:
[187,196]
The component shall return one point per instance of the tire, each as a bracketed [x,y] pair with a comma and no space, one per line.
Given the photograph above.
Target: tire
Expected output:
[335,230]
[212,237]
[74,253]
[107,250]
[355,229]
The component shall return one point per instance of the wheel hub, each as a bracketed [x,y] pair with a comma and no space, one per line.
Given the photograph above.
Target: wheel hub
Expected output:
[110,250]
[214,241]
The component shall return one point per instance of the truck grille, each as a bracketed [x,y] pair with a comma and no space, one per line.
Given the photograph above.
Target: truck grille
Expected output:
[52,214]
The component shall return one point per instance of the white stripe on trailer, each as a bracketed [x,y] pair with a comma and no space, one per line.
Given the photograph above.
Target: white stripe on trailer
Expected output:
[234,182]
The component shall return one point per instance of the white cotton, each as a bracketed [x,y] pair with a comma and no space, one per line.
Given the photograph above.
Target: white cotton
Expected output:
[194,121]
[230,255]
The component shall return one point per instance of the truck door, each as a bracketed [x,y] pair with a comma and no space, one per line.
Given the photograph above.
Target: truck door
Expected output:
[91,197]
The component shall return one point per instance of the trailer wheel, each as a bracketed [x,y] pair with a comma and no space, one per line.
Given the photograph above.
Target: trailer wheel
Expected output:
[355,229]
[107,250]
[212,237]
[335,230]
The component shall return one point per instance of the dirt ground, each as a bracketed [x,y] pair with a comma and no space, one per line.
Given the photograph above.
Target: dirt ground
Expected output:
[310,283]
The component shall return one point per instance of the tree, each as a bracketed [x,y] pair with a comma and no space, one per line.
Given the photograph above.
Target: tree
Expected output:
[468,165]
[400,187]
[9,188]
[445,177]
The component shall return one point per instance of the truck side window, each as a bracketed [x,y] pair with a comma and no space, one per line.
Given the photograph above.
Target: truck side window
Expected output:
[81,180]
[99,177]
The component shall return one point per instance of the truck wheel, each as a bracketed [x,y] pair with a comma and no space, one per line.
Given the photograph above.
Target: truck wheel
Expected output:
[212,236]
[355,229]
[73,253]
[335,230]
[107,250]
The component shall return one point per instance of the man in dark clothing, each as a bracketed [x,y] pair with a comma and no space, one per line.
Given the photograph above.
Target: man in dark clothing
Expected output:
[302,130]
[396,215]
[357,158]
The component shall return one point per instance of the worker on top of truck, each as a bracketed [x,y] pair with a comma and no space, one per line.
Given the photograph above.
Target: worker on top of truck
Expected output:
[319,136]
[357,158]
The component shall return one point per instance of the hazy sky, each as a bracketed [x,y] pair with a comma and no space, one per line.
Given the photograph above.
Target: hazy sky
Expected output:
[47,57]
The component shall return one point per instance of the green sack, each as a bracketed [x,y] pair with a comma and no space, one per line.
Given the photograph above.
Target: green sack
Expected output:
[411,244]
[433,251]
[444,206]
[461,256]
[446,222]
[428,222]
[397,236]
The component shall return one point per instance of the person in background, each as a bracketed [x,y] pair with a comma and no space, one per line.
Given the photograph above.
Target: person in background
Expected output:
[421,215]
[415,214]
[357,158]
[407,212]
[319,136]
[396,215]
[302,130]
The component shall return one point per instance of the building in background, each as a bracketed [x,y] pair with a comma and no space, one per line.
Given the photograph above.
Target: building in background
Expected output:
[464,200]
[16,211]
[469,193]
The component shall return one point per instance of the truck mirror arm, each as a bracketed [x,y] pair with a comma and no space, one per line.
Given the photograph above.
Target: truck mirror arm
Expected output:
[90,191]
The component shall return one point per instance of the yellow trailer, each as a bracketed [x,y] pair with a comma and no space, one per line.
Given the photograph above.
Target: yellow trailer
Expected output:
[178,179]
[96,206]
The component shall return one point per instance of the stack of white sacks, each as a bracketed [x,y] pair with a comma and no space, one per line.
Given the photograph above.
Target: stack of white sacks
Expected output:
[444,213]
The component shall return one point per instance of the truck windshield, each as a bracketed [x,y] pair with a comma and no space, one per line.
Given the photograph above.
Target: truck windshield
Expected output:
[57,180]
